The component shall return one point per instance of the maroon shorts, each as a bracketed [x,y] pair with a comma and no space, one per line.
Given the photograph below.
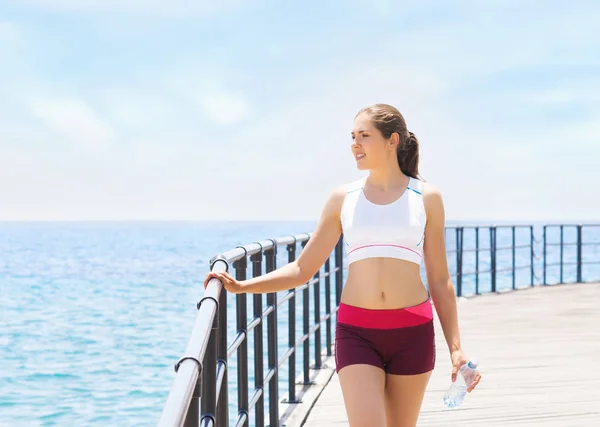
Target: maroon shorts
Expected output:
[399,341]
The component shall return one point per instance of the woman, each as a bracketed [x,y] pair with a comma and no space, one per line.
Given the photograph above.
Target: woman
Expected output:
[391,220]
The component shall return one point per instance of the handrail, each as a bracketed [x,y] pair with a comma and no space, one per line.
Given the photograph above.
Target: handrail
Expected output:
[203,368]
[204,363]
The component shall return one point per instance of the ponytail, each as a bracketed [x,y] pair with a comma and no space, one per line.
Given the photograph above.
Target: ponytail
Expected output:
[408,155]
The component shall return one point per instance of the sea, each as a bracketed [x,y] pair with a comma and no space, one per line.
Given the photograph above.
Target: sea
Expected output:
[93,315]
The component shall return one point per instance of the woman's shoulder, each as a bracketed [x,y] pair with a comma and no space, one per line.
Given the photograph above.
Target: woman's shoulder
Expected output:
[432,199]
[429,190]
[338,194]
[341,189]
[352,186]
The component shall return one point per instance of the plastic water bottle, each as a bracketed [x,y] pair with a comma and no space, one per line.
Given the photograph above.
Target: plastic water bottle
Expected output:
[458,389]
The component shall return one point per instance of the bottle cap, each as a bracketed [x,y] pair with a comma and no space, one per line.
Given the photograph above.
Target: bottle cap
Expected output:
[473,364]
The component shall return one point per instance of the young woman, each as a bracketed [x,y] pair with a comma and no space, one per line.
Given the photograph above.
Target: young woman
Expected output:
[391,220]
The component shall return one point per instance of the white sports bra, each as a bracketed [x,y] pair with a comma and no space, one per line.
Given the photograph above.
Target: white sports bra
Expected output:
[394,230]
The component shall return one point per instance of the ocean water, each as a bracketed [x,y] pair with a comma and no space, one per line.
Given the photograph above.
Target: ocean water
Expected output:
[94,315]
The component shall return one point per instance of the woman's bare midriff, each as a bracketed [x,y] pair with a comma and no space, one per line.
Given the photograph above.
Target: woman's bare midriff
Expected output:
[383,283]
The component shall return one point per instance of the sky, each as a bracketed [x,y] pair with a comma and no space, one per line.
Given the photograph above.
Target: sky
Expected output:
[189,110]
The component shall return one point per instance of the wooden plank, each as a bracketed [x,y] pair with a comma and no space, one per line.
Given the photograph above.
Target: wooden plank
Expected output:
[538,351]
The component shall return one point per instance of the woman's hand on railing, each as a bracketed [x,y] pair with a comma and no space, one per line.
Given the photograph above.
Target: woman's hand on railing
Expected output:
[229,283]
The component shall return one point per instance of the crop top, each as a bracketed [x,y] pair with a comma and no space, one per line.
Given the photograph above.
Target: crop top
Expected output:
[393,230]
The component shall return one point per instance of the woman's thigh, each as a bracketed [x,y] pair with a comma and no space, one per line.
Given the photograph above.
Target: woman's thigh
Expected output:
[363,388]
[404,397]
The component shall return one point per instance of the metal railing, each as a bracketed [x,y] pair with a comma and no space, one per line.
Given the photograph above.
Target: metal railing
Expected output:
[202,371]
[579,258]
[200,391]
[492,249]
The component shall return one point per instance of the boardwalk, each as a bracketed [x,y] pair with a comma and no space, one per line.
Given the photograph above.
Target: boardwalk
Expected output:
[539,351]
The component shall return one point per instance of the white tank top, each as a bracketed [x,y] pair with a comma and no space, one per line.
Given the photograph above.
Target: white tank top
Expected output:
[394,230]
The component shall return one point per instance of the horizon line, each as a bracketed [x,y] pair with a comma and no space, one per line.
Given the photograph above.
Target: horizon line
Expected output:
[486,222]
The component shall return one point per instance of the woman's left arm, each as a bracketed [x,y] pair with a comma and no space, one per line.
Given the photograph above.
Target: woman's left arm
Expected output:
[438,277]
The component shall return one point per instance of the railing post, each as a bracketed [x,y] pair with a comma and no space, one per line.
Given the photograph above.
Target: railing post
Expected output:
[209,377]
[271,256]
[291,248]
[328,304]
[259,408]
[462,233]
[493,255]
[339,274]
[544,237]
[317,314]
[477,260]
[242,351]
[192,418]
[305,329]
[222,416]
[561,252]
[513,257]
[579,255]
[458,256]
[532,256]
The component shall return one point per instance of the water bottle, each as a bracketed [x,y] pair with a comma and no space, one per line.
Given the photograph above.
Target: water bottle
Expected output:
[458,389]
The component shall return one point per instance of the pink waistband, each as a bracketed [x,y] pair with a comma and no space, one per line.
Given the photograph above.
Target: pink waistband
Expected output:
[385,319]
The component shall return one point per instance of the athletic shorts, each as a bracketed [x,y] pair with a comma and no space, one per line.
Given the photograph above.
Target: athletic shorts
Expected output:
[399,341]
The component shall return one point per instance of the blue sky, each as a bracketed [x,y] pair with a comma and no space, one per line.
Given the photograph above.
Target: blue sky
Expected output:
[185,110]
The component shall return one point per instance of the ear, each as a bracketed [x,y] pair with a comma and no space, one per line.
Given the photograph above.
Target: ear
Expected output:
[394,140]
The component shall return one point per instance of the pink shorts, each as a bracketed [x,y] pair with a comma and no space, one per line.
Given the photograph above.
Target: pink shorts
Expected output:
[399,341]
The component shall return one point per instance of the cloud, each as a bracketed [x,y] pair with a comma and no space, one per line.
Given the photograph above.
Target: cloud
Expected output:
[157,8]
[138,107]
[476,39]
[305,140]
[74,119]
[555,94]
[467,161]
[207,119]
[224,108]
[9,32]
[208,92]
[11,44]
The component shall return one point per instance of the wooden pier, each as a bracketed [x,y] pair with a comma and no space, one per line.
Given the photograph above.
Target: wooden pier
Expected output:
[539,354]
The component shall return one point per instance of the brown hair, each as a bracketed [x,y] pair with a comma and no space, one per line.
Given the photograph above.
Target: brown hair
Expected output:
[388,120]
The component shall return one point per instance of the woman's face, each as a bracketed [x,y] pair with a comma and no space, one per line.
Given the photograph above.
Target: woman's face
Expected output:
[369,147]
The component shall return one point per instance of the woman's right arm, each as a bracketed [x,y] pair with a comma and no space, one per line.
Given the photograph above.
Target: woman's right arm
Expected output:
[312,257]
